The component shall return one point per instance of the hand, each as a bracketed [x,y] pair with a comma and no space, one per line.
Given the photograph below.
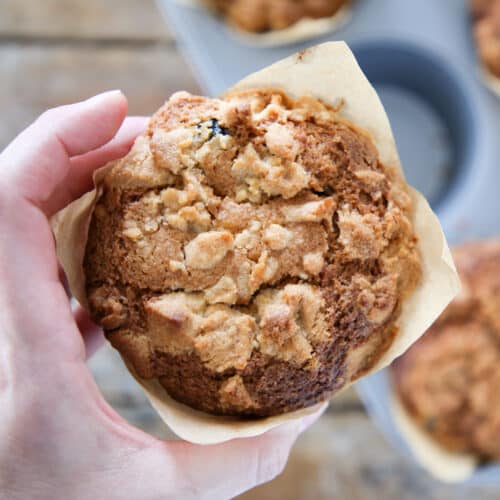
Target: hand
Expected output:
[58,436]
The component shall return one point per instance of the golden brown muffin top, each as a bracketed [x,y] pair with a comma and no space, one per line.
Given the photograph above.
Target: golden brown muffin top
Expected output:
[449,379]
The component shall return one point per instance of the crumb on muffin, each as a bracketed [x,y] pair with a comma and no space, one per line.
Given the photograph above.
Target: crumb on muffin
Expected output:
[448,381]
[251,252]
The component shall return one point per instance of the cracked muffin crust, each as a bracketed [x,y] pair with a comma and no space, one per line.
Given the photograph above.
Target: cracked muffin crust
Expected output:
[259,16]
[448,381]
[251,253]
[486,21]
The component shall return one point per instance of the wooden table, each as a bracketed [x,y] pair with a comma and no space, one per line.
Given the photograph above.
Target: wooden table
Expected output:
[58,51]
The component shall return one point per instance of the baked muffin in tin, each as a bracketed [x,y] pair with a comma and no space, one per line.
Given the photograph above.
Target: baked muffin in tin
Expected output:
[448,380]
[260,16]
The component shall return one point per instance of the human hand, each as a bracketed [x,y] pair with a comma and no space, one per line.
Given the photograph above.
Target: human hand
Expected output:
[58,436]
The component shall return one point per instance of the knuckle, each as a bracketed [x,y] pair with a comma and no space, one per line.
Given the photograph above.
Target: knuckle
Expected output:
[48,119]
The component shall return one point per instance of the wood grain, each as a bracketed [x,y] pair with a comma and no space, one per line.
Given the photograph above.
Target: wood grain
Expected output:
[35,78]
[97,19]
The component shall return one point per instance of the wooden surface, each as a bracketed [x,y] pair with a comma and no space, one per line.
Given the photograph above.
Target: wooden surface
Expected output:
[54,52]
[82,20]
[58,51]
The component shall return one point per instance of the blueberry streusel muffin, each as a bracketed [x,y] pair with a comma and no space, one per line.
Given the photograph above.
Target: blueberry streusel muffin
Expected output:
[251,252]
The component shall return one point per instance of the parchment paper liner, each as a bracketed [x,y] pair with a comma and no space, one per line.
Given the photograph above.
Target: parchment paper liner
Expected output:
[490,80]
[447,466]
[330,73]
[304,29]
[442,464]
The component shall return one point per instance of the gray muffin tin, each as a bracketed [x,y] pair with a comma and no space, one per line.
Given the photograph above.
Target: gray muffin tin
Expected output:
[420,57]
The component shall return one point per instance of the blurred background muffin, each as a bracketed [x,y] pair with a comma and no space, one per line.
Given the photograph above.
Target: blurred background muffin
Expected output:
[448,381]
[259,16]
[486,21]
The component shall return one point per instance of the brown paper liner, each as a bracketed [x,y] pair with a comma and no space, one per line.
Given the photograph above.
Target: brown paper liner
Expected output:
[302,30]
[330,73]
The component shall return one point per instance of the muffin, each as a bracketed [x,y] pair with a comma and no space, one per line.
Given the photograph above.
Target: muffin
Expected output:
[251,253]
[448,381]
[486,21]
[259,16]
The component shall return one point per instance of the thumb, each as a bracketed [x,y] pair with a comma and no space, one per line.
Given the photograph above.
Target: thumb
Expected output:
[38,160]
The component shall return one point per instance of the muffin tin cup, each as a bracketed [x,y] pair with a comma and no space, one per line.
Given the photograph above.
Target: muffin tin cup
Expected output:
[437,144]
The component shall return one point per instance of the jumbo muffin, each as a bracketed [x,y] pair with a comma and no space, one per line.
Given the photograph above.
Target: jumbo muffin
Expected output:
[266,15]
[486,20]
[448,381]
[251,252]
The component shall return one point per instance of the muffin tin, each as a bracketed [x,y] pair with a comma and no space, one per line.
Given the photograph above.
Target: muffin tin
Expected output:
[421,59]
